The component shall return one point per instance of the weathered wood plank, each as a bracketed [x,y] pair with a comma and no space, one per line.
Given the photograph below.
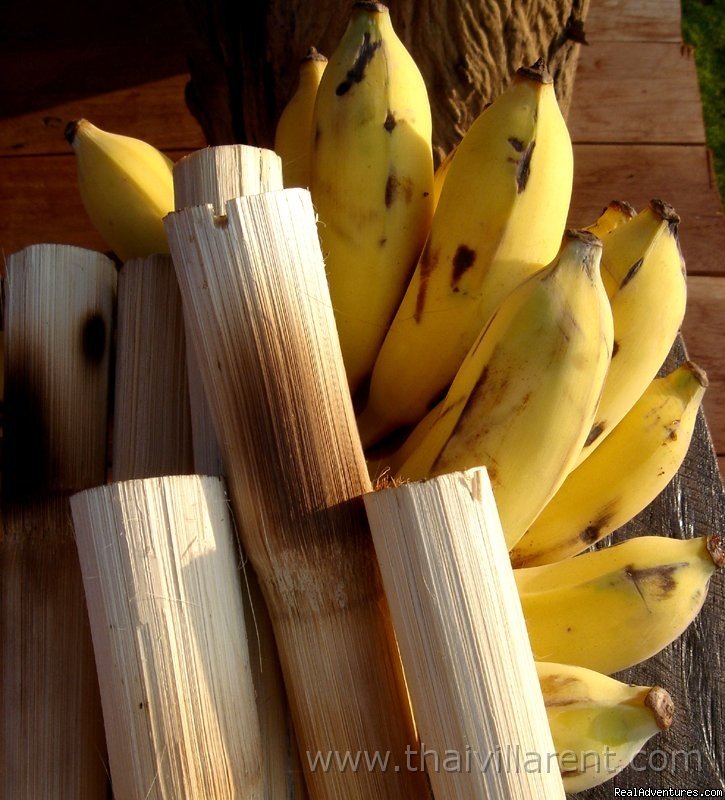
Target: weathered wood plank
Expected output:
[681,175]
[704,334]
[154,111]
[639,93]
[641,21]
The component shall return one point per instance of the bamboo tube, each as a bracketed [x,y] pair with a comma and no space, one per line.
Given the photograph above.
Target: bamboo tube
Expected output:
[159,565]
[58,313]
[151,424]
[466,654]
[215,175]
[255,292]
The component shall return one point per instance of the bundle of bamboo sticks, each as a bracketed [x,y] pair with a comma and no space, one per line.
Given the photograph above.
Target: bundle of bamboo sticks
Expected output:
[283,631]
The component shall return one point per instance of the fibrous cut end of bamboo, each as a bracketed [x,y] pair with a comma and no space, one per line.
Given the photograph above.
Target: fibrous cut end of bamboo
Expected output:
[463,640]
[161,572]
[58,313]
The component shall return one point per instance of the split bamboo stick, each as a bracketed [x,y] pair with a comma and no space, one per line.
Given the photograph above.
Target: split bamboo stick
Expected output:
[58,314]
[215,175]
[159,563]
[256,295]
[151,423]
[466,654]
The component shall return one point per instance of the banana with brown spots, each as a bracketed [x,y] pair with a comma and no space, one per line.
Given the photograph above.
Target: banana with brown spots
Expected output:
[623,475]
[599,724]
[524,398]
[500,218]
[293,137]
[644,274]
[371,180]
[615,607]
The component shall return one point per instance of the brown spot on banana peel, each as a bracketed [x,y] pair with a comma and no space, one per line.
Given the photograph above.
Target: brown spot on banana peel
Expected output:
[395,186]
[615,348]
[390,122]
[631,272]
[596,431]
[523,170]
[552,687]
[517,144]
[660,703]
[660,577]
[364,56]
[592,533]
[463,260]
[428,262]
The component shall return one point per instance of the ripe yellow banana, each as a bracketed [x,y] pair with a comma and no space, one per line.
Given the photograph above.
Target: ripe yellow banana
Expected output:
[623,475]
[293,137]
[599,724]
[524,397]
[644,275]
[126,188]
[615,607]
[500,218]
[615,214]
[371,180]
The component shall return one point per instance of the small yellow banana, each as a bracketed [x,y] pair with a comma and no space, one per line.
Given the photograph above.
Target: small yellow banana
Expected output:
[500,218]
[615,214]
[371,180]
[293,137]
[524,397]
[615,607]
[126,187]
[599,724]
[644,275]
[623,475]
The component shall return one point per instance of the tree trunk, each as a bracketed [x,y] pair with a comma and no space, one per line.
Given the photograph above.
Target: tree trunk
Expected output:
[244,68]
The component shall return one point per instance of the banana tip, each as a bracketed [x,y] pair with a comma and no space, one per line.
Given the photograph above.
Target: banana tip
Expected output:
[660,703]
[666,213]
[716,549]
[70,131]
[313,54]
[698,373]
[538,72]
[372,7]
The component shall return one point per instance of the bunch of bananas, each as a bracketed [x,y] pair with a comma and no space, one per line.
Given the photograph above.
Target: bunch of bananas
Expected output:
[477,330]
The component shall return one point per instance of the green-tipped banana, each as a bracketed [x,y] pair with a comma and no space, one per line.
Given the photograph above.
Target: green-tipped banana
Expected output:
[371,181]
[523,400]
[644,275]
[126,188]
[623,475]
[500,218]
[293,137]
[618,606]
[599,724]
[615,214]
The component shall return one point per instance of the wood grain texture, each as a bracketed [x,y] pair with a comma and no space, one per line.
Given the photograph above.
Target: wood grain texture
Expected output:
[681,175]
[462,636]
[643,93]
[255,292]
[159,564]
[691,755]
[58,309]
[704,333]
[152,420]
[640,21]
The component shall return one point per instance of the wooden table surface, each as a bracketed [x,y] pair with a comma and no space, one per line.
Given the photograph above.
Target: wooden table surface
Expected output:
[637,125]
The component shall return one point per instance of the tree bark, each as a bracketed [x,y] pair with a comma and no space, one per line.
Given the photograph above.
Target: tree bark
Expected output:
[244,67]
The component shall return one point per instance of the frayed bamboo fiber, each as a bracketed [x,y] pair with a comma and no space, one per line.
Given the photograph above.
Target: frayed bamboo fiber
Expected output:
[160,569]
[256,296]
[151,422]
[58,315]
[215,175]
[465,650]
